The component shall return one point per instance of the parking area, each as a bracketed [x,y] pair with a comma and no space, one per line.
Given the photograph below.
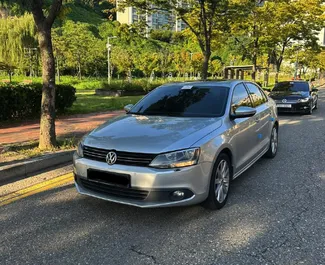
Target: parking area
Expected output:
[275,215]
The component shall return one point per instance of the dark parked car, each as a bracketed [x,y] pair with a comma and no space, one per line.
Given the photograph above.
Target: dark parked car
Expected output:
[295,96]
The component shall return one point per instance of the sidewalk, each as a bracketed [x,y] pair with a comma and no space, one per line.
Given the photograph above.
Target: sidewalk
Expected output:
[67,126]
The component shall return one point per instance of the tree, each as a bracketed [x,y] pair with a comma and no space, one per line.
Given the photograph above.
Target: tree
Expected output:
[80,45]
[305,19]
[122,59]
[250,30]
[44,22]
[161,35]
[202,17]
[16,33]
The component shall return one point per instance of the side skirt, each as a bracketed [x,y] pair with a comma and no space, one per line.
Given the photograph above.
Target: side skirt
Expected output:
[250,164]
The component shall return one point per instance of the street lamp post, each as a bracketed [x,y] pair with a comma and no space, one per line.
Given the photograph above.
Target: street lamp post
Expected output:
[109,46]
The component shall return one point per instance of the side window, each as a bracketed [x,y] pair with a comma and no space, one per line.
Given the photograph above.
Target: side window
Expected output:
[240,98]
[256,95]
[264,95]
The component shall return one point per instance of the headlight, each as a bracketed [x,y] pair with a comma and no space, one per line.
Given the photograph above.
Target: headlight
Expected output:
[183,158]
[80,149]
[303,100]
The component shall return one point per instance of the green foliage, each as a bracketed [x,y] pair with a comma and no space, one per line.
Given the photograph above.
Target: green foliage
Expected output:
[241,33]
[23,101]
[65,96]
[136,85]
[16,33]
[161,35]
[83,14]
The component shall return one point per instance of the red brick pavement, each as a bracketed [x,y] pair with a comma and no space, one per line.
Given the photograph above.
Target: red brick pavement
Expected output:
[67,126]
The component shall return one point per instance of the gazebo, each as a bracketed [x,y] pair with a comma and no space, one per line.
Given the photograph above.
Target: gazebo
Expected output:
[237,72]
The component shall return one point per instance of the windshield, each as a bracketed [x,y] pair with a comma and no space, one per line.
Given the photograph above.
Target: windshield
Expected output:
[292,87]
[184,101]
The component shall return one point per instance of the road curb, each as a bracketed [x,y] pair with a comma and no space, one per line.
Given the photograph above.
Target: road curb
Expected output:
[24,168]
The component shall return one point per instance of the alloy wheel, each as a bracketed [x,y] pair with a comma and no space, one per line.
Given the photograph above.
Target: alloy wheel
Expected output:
[222,181]
[274,141]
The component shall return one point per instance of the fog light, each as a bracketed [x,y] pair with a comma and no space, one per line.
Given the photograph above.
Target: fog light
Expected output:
[177,195]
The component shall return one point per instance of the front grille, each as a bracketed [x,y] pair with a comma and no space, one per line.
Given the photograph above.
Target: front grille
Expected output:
[115,191]
[123,158]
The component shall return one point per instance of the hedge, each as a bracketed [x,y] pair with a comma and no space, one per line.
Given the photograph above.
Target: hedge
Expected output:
[19,101]
[133,86]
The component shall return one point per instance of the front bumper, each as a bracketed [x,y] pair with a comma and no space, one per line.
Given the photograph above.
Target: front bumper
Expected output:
[295,107]
[149,187]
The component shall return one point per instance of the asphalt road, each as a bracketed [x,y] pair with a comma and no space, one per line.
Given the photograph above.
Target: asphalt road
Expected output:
[275,215]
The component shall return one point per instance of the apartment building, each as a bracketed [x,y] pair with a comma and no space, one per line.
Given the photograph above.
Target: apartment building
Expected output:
[157,20]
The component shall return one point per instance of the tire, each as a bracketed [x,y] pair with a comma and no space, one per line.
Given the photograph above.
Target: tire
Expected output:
[274,142]
[316,104]
[218,192]
[310,111]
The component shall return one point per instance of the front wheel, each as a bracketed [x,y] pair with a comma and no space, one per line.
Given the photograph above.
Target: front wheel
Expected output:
[310,110]
[219,183]
[274,141]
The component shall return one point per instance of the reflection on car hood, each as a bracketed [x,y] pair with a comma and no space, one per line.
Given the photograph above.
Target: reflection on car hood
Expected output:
[288,94]
[151,134]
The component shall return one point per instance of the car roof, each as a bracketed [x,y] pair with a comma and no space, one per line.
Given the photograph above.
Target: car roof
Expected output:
[227,83]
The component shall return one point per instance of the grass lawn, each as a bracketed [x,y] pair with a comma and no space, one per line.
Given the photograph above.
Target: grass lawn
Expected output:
[88,102]
[19,151]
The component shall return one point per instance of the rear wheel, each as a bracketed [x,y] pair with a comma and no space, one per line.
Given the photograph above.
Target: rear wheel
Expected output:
[316,104]
[219,183]
[273,147]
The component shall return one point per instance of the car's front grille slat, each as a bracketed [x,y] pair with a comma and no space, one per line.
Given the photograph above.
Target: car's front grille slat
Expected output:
[87,153]
[116,191]
[123,158]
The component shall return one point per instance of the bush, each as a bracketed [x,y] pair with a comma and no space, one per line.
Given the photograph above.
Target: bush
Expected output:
[136,85]
[65,96]
[19,101]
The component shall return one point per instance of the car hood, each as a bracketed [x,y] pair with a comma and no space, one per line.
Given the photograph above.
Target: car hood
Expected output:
[151,134]
[288,95]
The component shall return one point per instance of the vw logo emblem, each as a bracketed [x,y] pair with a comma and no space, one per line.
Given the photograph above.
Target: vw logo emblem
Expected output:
[111,158]
[284,101]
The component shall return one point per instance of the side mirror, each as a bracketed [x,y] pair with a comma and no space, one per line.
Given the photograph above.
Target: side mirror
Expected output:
[267,89]
[243,112]
[127,108]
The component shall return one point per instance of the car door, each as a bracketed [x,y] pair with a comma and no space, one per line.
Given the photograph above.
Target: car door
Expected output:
[262,117]
[243,130]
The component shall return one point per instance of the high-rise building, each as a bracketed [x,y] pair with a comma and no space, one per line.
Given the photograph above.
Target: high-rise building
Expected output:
[156,20]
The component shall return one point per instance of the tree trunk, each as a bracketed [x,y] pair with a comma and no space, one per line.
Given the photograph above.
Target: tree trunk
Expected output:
[47,125]
[79,68]
[205,65]
[277,66]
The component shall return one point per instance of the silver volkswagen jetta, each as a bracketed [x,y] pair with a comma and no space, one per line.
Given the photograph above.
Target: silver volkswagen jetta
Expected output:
[181,144]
